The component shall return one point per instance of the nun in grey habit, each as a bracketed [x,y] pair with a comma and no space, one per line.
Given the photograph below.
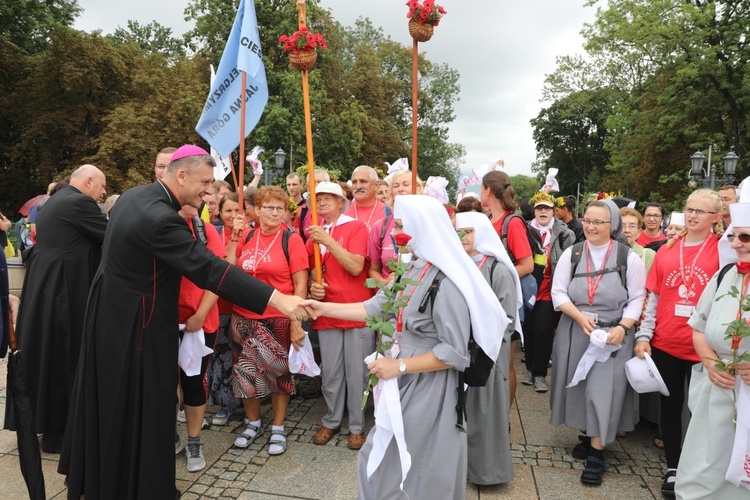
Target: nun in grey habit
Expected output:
[488,407]
[595,298]
[433,350]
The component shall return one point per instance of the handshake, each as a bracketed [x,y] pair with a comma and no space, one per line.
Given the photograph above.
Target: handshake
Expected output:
[293,306]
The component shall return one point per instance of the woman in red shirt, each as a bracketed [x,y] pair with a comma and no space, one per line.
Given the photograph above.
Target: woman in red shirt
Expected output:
[500,197]
[262,341]
[681,270]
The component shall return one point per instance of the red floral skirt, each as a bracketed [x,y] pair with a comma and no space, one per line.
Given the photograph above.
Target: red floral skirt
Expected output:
[260,357]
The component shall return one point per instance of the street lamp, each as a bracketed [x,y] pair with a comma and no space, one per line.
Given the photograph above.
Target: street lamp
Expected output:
[707,176]
[280,156]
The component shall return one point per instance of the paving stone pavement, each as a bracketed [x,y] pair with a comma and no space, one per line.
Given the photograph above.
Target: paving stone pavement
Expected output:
[544,468]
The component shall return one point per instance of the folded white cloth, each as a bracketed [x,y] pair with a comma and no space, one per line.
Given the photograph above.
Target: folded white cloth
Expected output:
[389,423]
[598,351]
[192,349]
[253,160]
[396,166]
[551,181]
[302,361]
[738,472]
[435,187]
[480,171]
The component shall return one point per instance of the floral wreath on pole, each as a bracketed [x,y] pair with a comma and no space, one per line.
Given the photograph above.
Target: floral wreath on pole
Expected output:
[423,17]
[302,48]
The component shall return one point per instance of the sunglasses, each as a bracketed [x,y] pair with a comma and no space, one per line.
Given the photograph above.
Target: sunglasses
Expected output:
[744,238]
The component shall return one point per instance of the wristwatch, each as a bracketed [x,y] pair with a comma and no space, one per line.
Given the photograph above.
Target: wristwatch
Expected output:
[401,367]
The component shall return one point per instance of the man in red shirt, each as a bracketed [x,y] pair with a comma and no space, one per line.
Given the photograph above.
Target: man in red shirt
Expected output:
[365,206]
[343,344]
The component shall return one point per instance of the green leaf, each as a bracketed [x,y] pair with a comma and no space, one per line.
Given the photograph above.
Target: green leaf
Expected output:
[409,281]
[371,283]
[387,329]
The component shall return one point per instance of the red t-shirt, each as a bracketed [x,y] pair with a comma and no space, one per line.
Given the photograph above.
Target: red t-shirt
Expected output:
[672,333]
[518,242]
[342,286]
[190,294]
[225,307]
[369,215]
[644,240]
[263,257]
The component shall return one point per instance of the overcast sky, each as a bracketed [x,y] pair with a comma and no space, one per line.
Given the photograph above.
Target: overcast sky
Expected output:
[502,50]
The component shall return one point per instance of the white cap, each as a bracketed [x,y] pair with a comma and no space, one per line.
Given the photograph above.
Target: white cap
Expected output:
[329,188]
[740,213]
[677,218]
[644,376]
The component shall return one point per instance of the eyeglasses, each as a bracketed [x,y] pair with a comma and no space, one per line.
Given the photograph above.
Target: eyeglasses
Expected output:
[596,223]
[697,211]
[653,216]
[744,237]
[271,210]
[630,226]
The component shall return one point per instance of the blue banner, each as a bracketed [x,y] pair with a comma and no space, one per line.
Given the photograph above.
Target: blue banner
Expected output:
[219,123]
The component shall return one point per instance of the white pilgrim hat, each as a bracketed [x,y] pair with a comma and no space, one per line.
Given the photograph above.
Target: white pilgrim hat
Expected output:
[677,218]
[740,213]
[644,376]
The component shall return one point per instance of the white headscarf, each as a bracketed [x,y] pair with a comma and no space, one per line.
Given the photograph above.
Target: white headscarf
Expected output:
[487,242]
[435,240]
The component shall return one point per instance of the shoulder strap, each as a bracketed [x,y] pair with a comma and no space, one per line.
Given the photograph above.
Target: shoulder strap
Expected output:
[249,235]
[622,262]
[200,230]
[386,221]
[504,237]
[285,243]
[575,257]
[723,272]
[430,295]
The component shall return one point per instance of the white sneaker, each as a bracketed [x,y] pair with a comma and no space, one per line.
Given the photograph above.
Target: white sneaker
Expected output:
[181,414]
[204,425]
[221,417]
[178,446]
[195,459]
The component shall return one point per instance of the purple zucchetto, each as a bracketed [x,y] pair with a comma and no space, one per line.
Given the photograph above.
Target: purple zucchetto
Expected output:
[188,150]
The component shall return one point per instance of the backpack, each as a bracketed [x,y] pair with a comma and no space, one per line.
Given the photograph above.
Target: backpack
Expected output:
[284,241]
[480,365]
[535,242]
[621,267]
[722,273]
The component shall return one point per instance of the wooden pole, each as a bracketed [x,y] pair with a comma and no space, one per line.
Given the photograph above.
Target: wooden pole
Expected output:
[241,161]
[414,114]
[301,14]
[234,174]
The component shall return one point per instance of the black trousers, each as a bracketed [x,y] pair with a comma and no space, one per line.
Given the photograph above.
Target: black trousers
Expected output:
[194,390]
[675,372]
[538,336]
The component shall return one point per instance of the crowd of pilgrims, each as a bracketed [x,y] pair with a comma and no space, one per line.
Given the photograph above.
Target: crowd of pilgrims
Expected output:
[647,280]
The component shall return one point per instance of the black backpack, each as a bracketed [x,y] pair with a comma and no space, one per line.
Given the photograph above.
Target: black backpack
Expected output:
[284,241]
[535,242]
[386,220]
[480,365]
[621,265]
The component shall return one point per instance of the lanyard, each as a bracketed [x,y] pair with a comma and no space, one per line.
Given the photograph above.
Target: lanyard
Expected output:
[481,262]
[256,259]
[688,281]
[400,315]
[372,212]
[593,284]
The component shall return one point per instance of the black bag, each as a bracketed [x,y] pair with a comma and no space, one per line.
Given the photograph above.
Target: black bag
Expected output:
[480,365]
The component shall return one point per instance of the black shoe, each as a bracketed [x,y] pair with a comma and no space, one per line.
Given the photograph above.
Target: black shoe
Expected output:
[594,471]
[667,487]
[582,449]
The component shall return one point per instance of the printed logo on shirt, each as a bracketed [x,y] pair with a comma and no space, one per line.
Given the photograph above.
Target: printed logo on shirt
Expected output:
[699,280]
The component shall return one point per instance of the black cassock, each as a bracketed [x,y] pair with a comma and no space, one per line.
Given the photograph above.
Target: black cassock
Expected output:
[119,442]
[70,232]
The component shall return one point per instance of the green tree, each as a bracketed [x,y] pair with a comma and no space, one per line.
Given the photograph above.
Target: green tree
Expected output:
[525,187]
[28,23]
[151,38]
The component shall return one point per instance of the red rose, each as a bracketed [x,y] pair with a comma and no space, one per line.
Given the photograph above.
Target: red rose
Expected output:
[401,239]
[442,10]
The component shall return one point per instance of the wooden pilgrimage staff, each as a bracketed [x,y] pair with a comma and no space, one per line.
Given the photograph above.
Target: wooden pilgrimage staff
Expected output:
[241,159]
[414,113]
[301,15]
